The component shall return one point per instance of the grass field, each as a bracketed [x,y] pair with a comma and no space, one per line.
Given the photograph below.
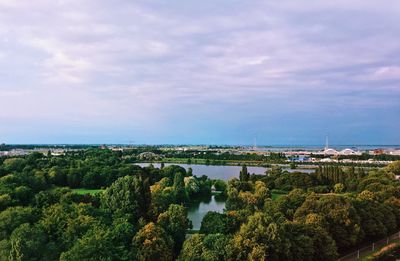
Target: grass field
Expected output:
[83,191]
[275,194]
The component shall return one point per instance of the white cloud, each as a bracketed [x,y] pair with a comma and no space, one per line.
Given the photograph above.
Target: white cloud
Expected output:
[387,72]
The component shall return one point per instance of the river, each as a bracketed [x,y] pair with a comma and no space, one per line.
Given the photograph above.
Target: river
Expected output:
[221,172]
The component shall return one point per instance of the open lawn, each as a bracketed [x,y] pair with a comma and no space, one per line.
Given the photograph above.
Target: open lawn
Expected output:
[275,194]
[83,191]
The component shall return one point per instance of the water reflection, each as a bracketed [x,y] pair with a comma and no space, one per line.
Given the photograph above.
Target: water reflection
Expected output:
[199,208]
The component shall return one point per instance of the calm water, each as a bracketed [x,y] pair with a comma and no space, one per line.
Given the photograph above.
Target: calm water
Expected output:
[197,210]
[220,172]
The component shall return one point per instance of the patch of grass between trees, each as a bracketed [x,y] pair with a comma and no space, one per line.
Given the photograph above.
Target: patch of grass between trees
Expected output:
[83,191]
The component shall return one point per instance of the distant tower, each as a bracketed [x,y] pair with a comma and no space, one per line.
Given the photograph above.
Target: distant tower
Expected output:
[326,142]
[255,143]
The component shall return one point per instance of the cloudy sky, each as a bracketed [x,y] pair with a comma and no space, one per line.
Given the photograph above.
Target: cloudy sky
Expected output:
[200,72]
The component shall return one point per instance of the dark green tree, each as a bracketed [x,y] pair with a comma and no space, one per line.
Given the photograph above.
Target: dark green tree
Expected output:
[128,196]
[174,221]
[244,174]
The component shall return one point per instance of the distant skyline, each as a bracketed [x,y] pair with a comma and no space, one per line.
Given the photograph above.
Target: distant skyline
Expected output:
[200,72]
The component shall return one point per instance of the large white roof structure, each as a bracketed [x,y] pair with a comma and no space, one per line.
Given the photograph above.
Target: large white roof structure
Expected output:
[330,152]
[348,152]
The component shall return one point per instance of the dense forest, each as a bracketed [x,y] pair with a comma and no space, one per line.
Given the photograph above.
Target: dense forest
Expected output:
[141,214]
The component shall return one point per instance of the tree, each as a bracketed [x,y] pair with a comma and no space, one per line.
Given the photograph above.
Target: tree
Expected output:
[152,243]
[5,201]
[259,238]
[338,188]
[179,188]
[293,165]
[261,194]
[233,202]
[376,219]
[174,221]
[57,176]
[97,244]
[244,175]
[13,217]
[121,235]
[193,248]
[27,243]
[213,223]
[394,168]
[220,185]
[192,186]
[161,197]
[307,242]
[288,204]
[127,196]
[54,221]
[204,247]
[340,218]
[172,170]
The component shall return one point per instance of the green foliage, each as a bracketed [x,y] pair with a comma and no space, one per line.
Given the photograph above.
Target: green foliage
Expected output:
[128,196]
[192,186]
[376,219]
[175,222]
[338,188]
[161,197]
[96,244]
[259,239]
[306,242]
[27,243]
[244,175]
[13,217]
[204,247]
[138,216]
[213,223]
[179,188]
[394,167]
[335,214]
[220,185]
[152,243]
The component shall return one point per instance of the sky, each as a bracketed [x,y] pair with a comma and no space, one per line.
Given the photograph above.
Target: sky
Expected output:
[200,72]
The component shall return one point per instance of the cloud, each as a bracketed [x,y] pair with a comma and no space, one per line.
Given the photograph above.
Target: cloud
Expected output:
[147,61]
[387,72]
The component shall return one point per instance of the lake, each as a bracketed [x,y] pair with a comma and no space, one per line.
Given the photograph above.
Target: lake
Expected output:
[197,210]
[221,172]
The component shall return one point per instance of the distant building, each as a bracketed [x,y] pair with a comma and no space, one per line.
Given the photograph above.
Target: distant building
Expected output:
[149,156]
[328,160]
[349,152]
[378,152]
[333,152]
[329,151]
